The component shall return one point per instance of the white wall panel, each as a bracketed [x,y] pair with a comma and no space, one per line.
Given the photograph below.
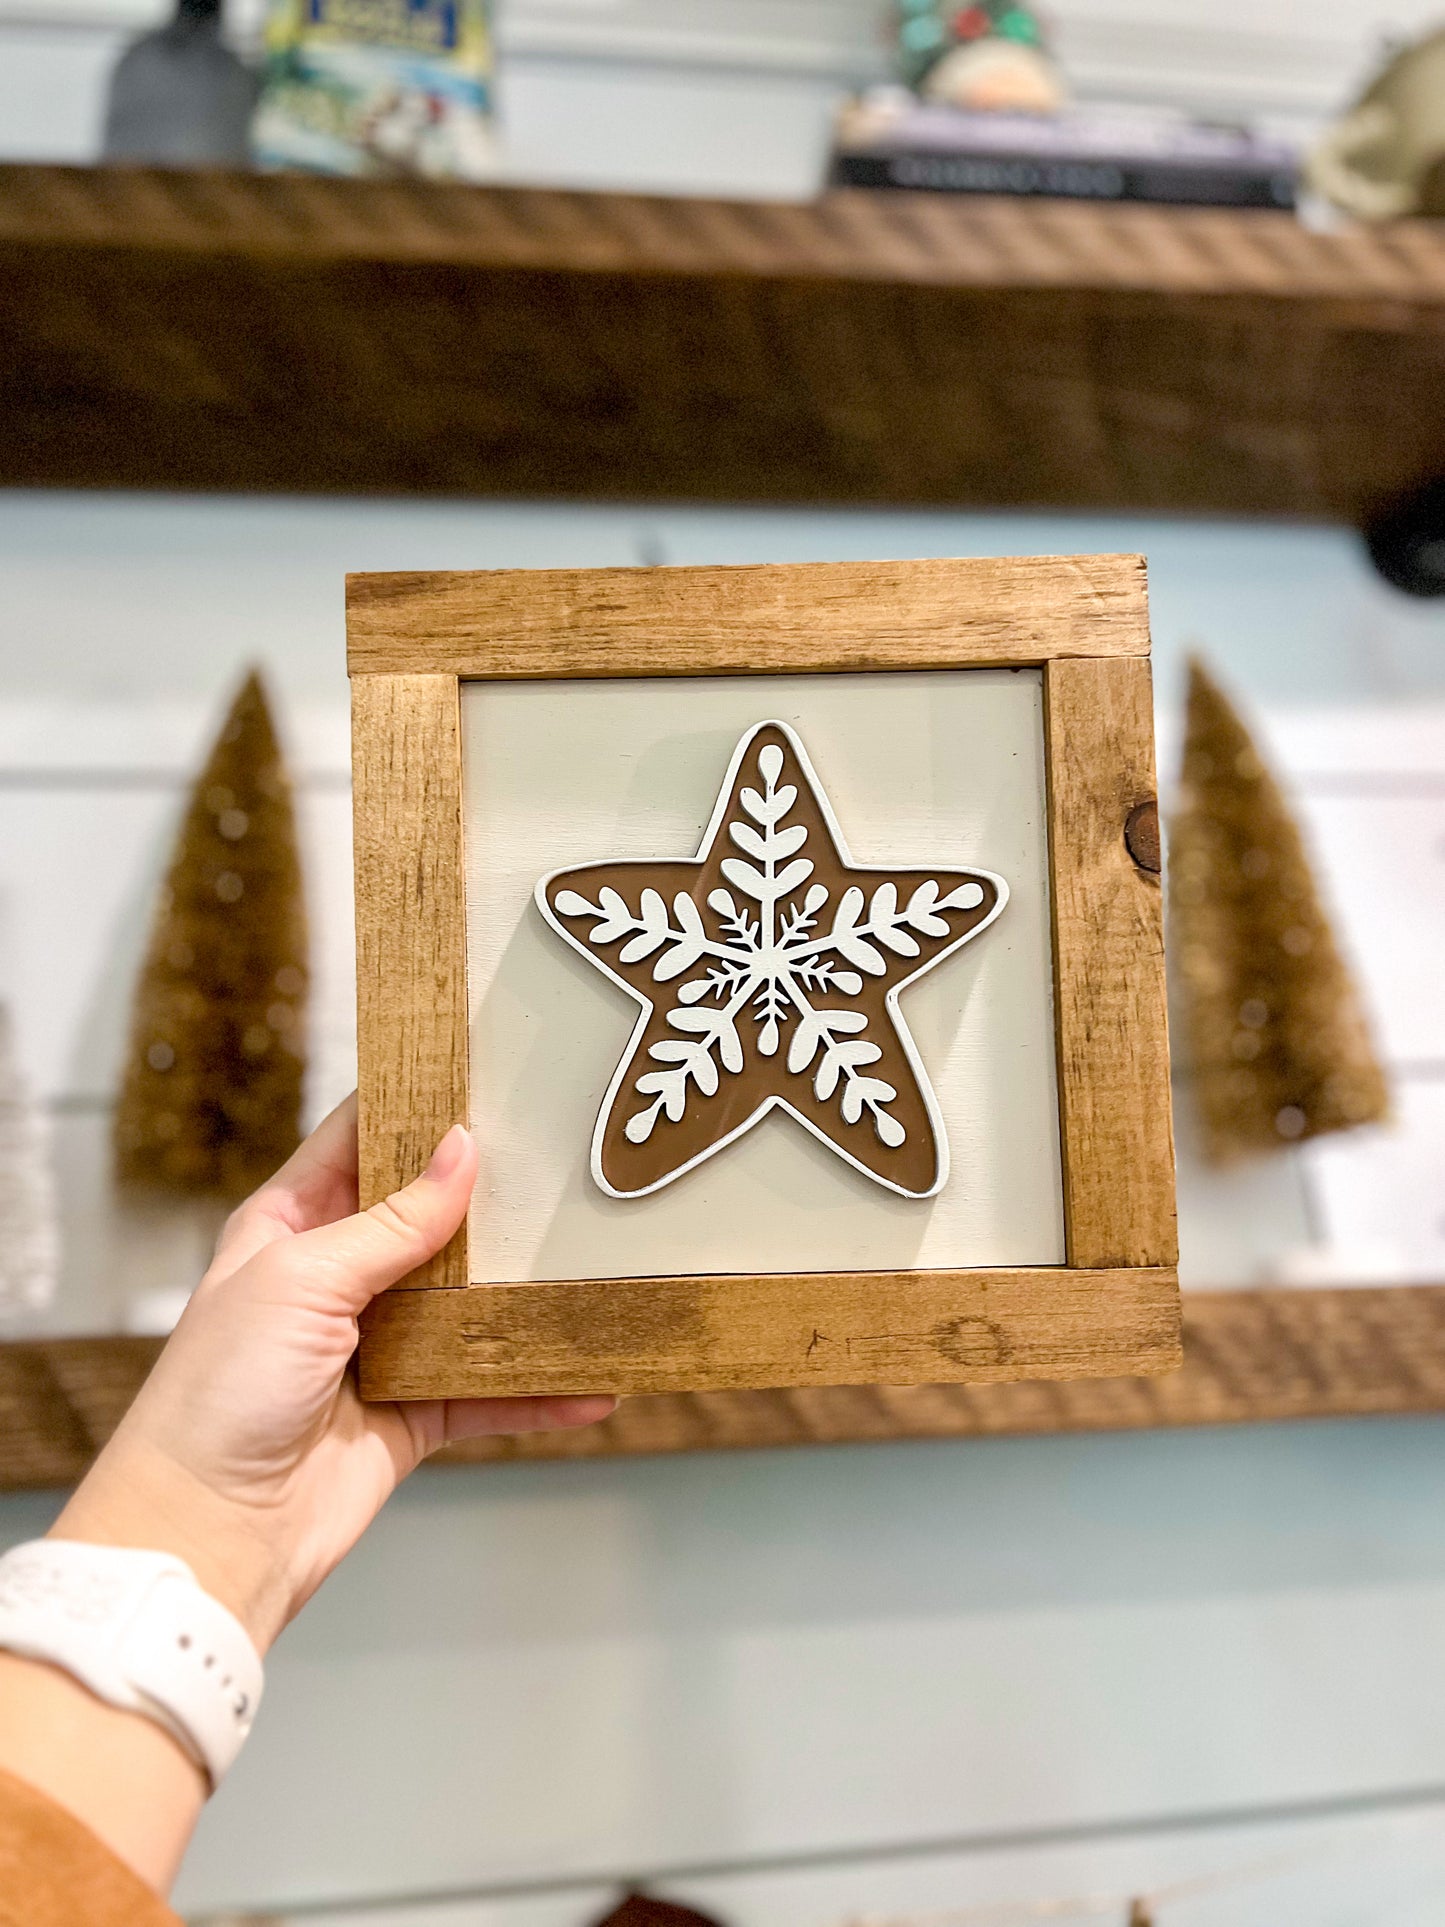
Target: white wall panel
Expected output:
[608,1669]
[52,91]
[1382,1191]
[1371,783]
[77,872]
[537,1673]
[163,599]
[127,1262]
[1382,860]
[1235,1220]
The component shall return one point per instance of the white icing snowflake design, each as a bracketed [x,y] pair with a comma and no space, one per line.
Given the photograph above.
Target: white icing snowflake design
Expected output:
[768,968]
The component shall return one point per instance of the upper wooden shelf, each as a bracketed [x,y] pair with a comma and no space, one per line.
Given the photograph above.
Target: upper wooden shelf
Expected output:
[228,331]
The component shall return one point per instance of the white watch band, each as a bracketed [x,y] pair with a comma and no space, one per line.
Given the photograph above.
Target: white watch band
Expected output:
[136,1628]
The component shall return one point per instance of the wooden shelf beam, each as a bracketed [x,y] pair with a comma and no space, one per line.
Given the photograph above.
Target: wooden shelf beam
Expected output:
[215,331]
[1248,1356]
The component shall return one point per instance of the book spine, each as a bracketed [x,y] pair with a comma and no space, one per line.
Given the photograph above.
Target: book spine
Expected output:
[1179,183]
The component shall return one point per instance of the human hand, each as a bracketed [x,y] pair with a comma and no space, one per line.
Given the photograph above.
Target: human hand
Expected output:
[247,1452]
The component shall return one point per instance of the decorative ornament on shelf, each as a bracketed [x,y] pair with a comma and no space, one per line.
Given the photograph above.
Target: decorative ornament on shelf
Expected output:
[179,97]
[1386,158]
[768,968]
[1276,1035]
[1406,540]
[29,1238]
[210,1100]
[988,57]
[372,87]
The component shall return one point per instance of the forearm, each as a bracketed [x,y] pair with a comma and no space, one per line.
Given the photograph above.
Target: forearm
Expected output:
[119,1773]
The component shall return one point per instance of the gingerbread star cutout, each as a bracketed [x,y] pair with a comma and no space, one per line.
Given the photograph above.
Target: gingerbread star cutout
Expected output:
[768,968]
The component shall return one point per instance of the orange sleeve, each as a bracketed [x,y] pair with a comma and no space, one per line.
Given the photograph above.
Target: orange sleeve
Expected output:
[55,1873]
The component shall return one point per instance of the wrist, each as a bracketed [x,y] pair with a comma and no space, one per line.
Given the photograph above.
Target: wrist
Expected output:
[134,1496]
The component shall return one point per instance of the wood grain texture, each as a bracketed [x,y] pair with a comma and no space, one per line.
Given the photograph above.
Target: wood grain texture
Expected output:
[60,1400]
[226,331]
[1249,1356]
[1109,1002]
[817,1328]
[411,968]
[824,617]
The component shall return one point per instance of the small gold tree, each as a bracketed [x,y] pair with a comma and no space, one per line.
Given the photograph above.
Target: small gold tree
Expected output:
[1274,1028]
[210,1100]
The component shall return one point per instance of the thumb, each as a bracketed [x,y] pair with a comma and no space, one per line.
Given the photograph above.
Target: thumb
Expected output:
[362,1255]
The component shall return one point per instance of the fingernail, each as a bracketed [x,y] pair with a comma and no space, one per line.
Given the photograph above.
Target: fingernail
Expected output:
[588,1411]
[447,1156]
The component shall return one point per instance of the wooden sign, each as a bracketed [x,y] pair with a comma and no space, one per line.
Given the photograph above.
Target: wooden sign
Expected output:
[791,940]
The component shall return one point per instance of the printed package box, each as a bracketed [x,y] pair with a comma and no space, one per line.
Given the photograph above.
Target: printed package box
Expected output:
[378,87]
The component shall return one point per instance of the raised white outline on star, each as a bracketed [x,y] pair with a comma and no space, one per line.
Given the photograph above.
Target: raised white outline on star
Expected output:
[774,1100]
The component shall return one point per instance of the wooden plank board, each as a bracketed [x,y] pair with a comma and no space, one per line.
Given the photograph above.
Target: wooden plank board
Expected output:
[930,239]
[666,1334]
[1109,999]
[60,1400]
[823,616]
[410,933]
[1249,1356]
[865,348]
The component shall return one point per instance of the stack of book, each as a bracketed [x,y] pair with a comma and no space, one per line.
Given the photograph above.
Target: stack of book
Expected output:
[889,138]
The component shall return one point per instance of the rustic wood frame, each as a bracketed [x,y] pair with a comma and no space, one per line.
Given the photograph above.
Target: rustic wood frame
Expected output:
[1111,1309]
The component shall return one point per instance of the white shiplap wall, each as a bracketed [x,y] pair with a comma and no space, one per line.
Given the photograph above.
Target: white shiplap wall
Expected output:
[805,1683]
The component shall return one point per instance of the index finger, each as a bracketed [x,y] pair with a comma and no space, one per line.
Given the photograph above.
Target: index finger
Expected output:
[315,1186]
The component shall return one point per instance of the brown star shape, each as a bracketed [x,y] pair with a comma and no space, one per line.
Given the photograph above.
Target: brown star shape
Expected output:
[768,968]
